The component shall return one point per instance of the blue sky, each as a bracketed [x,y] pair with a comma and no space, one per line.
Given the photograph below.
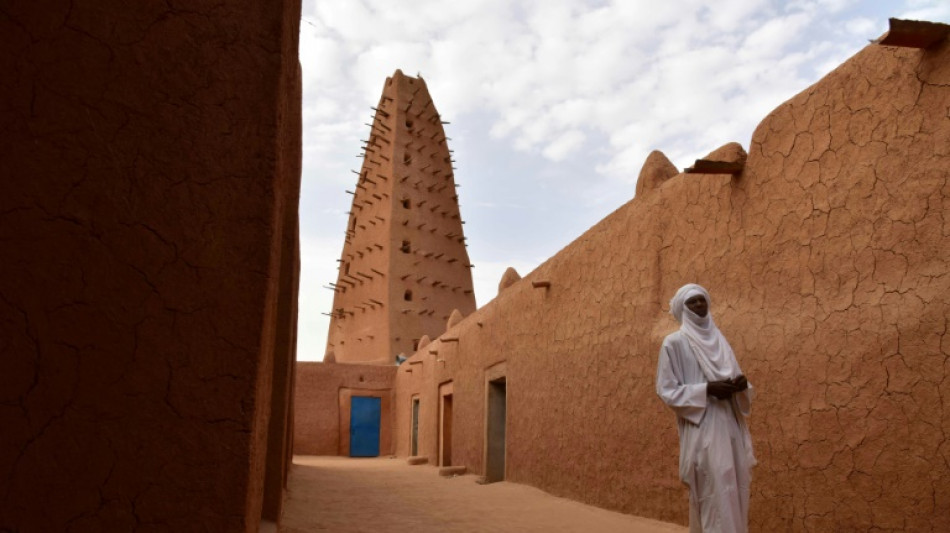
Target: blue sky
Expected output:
[553,104]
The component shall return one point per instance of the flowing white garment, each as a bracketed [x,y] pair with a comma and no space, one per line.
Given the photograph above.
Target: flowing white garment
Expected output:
[715,447]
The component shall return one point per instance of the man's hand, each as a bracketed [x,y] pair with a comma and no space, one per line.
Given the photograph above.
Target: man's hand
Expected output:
[721,389]
[740,382]
[726,388]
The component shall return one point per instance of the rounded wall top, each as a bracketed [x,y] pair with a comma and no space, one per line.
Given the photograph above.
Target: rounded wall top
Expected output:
[508,279]
[454,318]
[423,342]
[656,169]
[729,153]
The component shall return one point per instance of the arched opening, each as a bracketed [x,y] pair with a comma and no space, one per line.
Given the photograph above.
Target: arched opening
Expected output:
[407,296]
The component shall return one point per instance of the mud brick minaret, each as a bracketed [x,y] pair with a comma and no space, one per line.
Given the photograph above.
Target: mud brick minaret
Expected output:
[404,266]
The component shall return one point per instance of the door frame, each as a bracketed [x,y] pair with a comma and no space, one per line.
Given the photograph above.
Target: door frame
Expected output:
[385,419]
[414,416]
[445,390]
[494,372]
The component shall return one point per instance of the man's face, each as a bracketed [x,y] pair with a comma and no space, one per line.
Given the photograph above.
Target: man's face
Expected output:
[698,305]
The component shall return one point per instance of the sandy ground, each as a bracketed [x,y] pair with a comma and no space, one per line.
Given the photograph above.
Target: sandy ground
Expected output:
[340,494]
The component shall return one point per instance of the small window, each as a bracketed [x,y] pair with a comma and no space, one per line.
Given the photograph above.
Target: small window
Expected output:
[409,123]
[408,295]
[346,268]
[406,247]
[407,158]
[406,204]
[415,345]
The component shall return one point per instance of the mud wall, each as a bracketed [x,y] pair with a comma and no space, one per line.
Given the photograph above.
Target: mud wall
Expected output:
[828,260]
[321,405]
[148,217]
[404,267]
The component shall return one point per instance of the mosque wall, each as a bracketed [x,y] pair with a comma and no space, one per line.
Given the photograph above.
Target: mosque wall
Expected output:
[827,260]
[148,220]
[322,405]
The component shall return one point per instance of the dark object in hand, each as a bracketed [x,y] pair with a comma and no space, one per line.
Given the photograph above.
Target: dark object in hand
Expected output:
[740,382]
[726,388]
[720,389]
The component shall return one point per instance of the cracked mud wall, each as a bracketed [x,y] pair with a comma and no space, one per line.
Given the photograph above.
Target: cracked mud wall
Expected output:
[148,221]
[827,261]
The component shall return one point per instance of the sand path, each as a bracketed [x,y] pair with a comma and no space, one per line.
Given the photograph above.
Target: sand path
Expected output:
[340,494]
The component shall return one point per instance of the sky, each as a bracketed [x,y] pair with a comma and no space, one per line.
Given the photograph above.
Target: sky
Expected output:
[553,105]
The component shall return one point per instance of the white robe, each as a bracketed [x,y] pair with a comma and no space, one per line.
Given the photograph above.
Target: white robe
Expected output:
[715,448]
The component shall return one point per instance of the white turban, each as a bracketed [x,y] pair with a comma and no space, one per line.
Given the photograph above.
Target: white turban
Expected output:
[712,350]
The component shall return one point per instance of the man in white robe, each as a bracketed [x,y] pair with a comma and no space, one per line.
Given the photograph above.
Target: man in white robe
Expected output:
[699,378]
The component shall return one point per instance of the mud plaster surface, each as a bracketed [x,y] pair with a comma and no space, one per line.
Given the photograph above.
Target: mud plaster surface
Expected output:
[828,261]
[317,404]
[150,155]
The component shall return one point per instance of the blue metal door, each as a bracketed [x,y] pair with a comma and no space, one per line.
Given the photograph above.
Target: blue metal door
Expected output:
[364,426]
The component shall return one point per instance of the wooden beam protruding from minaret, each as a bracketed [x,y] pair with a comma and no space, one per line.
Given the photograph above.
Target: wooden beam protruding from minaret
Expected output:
[913,33]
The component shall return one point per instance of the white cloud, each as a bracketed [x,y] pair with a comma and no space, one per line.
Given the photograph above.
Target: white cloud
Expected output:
[589,88]
[774,36]
[730,15]
[863,27]
[565,145]
[932,10]
[834,6]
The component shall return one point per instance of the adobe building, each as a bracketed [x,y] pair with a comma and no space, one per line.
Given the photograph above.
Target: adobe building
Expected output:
[148,282]
[404,271]
[404,267]
[826,249]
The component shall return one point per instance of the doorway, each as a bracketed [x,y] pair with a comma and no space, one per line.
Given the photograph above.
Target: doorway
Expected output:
[495,438]
[414,425]
[445,424]
[364,426]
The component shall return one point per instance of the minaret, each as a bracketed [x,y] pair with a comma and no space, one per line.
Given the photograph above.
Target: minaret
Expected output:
[404,266]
